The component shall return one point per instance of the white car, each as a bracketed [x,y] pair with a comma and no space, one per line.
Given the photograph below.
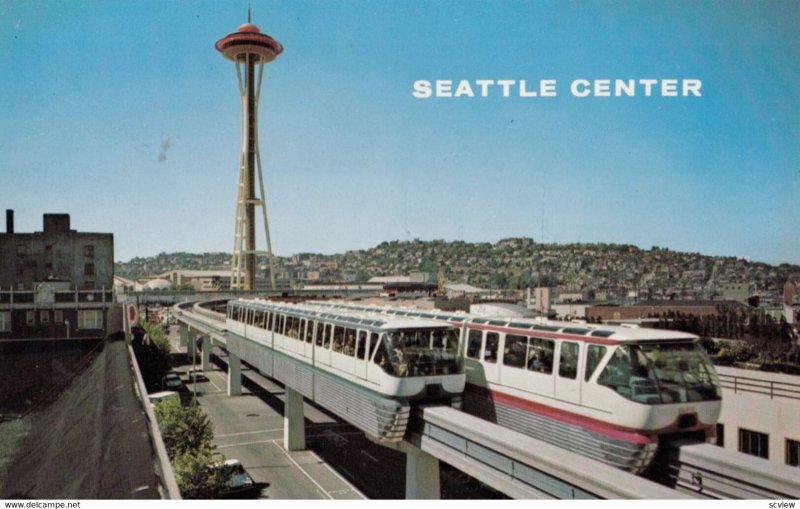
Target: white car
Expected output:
[239,481]
[197,374]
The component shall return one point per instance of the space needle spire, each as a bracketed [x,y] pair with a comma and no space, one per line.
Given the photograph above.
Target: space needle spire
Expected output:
[249,49]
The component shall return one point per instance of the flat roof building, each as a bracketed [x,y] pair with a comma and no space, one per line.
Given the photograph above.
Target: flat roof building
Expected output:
[56,283]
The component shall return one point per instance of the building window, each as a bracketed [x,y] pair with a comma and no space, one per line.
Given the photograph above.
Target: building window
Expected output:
[792,453]
[30,318]
[88,269]
[720,435]
[88,251]
[90,319]
[5,321]
[44,317]
[753,442]
[58,316]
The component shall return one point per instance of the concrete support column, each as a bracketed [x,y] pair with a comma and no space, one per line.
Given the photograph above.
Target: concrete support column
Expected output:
[206,351]
[234,375]
[294,428]
[183,329]
[422,475]
[191,344]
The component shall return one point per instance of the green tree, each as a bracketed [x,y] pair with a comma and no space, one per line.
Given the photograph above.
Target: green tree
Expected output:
[195,476]
[184,428]
[188,436]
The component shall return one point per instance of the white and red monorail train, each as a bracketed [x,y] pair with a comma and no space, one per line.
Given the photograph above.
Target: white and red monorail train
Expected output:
[611,393]
[368,368]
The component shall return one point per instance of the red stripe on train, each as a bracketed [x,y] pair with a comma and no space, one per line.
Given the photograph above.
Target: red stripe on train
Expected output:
[594,425]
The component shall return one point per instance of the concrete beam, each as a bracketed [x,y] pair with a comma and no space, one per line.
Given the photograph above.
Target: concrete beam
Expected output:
[234,375]
[183,329]
[206,353]
[294,428]
[191,343]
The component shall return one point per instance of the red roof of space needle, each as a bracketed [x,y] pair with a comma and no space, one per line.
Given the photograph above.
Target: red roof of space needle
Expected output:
[249,39]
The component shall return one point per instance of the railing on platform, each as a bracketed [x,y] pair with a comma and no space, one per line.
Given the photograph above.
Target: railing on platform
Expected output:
[772,388]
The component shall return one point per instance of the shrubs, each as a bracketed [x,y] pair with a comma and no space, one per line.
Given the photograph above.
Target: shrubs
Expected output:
[188,434]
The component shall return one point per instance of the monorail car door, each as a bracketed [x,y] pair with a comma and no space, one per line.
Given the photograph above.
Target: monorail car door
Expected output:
[568,384]
[323,344]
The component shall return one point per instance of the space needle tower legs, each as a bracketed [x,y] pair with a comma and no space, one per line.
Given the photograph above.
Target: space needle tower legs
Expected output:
[249,49]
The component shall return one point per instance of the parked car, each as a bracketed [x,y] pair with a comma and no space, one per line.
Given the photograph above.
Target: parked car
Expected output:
[172,381]
[239,482]
[157,397]
[197,374]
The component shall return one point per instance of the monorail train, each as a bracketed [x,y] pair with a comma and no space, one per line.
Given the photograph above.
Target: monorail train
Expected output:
[612,393]
[367,368]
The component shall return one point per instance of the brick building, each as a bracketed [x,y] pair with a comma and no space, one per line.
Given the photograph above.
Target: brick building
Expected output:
[55,284]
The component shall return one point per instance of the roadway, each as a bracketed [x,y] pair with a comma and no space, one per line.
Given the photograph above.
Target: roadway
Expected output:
[250,428]
[339,462]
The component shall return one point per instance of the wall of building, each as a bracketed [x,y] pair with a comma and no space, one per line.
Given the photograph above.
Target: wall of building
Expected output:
[776,416]
[55,284]
[84,259]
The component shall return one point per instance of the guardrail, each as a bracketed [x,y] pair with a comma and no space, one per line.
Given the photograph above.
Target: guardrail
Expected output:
[521,466]
[714,472]
[169,487]
[773,389]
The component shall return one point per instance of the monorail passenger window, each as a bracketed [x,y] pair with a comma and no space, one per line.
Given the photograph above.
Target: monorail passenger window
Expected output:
[492,341]
[327,334]
[303,334]
[474,343]
[373,344]
[349,342]
[281,324]
[515,351]
[361,346]
[291,327]
[540,353]
[338,339]
[382,357]
[594,355]
[568,363]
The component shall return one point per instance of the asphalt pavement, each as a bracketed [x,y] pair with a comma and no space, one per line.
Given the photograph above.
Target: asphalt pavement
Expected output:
[249,428]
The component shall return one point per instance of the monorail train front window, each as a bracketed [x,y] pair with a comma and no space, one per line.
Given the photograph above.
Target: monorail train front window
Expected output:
[661,373]
[420,352]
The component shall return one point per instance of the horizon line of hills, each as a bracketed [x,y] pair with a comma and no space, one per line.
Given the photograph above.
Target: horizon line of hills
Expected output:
[507,263]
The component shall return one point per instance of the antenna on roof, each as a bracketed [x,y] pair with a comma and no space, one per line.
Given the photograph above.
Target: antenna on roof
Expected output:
[248,13]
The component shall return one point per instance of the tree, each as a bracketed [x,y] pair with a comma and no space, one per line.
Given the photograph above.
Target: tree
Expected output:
[152,355]
[184,428]
[188,436]
[195,476]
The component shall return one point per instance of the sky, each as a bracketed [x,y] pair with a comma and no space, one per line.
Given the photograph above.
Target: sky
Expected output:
[123,115]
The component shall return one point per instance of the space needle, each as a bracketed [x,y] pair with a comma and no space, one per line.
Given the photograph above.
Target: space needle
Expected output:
[249,49]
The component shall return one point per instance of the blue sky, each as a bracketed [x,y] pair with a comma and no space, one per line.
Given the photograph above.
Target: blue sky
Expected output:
[92,91]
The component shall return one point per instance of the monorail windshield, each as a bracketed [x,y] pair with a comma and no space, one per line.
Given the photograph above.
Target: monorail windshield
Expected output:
[657,373]
[419,352]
